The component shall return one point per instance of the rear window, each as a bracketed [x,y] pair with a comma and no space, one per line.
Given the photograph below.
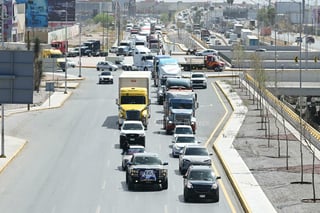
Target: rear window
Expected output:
[196,151]
[132,127]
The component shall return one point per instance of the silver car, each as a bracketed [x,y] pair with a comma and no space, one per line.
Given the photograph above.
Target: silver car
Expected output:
[180,141]
[106,65]
[194,155]
[127,155]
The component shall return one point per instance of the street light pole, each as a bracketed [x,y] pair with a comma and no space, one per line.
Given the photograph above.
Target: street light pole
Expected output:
[65,55]
[80,65]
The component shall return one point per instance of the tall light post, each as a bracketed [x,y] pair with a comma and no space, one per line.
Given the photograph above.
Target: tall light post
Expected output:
[102,30]
[80,31]
[65,55]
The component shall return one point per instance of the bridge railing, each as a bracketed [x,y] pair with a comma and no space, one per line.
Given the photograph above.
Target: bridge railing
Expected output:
[295,120]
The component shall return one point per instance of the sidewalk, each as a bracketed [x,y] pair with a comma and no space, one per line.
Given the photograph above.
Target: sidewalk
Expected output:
[256,165]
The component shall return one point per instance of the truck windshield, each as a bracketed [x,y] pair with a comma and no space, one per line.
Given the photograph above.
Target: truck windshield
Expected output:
[133,100]
[178,105]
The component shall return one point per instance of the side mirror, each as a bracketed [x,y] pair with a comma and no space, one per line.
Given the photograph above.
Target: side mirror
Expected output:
[184,176]
[117,101]
[218,177]
[165,163]
[210,153]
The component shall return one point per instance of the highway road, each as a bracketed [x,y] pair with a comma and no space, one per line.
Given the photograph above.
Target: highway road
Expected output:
[72,160]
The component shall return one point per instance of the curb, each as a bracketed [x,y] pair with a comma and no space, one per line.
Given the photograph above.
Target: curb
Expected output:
[240,196]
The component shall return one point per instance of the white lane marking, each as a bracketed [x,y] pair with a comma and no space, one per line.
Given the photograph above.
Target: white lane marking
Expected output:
[103,187]
[98,209]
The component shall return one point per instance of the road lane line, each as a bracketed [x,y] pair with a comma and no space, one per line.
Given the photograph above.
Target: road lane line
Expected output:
[223,188]
[104,185]
[98,209]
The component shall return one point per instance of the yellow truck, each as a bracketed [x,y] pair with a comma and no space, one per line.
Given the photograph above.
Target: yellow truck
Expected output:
[55,53]
[134,97]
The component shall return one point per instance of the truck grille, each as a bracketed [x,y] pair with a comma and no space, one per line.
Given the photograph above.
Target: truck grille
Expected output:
[182,119]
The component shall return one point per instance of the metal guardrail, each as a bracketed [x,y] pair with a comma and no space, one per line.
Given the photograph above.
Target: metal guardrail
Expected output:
[290,115]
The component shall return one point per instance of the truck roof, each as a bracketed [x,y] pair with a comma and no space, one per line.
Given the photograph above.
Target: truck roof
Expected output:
[135,74]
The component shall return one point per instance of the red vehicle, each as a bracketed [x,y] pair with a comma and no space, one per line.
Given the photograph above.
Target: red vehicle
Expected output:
[60,45]
[213,62]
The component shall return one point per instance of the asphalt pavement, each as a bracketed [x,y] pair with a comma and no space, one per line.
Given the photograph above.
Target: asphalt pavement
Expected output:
[258,176]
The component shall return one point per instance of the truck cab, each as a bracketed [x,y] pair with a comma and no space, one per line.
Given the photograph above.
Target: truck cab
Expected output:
[134,97]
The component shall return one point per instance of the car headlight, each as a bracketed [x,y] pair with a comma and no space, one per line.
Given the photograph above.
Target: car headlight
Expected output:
[214,185]
[134,172]
[163,172]
[189,185]
[122,134]
[141,135]
[170,122]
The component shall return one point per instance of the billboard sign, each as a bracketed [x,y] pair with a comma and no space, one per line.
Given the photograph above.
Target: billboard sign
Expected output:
[16,77]
[61,10]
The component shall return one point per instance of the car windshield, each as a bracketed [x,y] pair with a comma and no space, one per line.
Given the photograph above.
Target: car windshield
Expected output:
[197,76]
[205,175]
[182,139]
[196,151]
[133,100]
[105,73]
[132,126]
[146,160]
[183,130]
[134,150]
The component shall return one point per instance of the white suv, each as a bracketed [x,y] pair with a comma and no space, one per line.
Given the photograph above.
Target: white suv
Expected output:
[133,132]
[199,79]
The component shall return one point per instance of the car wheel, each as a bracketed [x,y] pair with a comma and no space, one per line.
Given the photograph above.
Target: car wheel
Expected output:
[110,69]
[216,199]
[127,178]
[165,185]
[145,69]
[130,185]
[98,69]
[186,198]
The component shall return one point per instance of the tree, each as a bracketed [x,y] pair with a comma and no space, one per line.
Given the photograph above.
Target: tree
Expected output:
[37,64]
[103,18]
[266,15]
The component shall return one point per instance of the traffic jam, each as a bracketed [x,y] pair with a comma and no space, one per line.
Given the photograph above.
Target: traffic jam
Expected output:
[153,68]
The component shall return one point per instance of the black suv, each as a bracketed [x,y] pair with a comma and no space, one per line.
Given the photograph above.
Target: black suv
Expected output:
[200,183]
[146,169]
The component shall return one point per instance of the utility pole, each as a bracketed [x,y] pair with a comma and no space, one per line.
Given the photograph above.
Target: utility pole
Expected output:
[118,9]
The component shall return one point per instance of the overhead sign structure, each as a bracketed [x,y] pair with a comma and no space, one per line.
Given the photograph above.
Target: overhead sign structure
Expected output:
[16,77]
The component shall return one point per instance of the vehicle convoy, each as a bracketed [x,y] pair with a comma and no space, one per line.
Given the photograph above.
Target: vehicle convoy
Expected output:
[200,183]
[146,169]
[132,132]
[55,54]
[211,62]
[134,97]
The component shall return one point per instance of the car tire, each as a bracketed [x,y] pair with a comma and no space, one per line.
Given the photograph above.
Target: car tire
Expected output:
[186,198]
[215,199]
[164,185]
[130,185]
[111,82]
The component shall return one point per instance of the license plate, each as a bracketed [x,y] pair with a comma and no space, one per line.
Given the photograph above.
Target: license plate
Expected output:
[148,175]
[202,196]
[131,139]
